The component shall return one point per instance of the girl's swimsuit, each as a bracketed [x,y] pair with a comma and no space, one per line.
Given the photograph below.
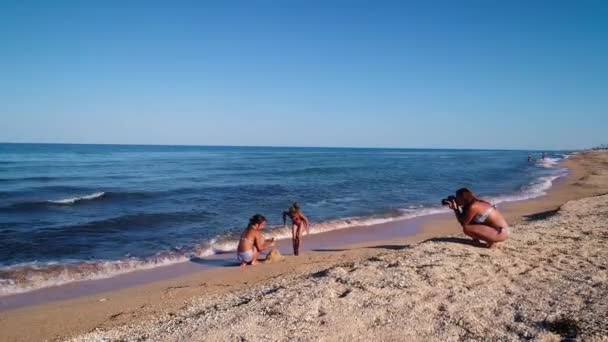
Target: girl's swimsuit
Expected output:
[246,256]
[296,220]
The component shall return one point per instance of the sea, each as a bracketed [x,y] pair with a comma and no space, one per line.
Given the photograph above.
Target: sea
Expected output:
[78,212]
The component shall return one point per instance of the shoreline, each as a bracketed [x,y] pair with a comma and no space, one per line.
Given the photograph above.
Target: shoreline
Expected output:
[364,230]
[339,231]
[169,294]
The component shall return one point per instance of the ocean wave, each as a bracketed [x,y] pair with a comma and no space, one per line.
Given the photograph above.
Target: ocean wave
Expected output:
[533,190]
[73,200]
[33,276]
[548,162]
[28,206]
[539,186]
[45,204]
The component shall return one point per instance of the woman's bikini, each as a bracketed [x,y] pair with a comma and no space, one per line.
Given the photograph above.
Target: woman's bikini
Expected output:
[481,219]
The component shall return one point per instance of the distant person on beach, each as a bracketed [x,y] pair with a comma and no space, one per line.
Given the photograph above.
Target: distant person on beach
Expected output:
[544,155]
[252,241]
[297,221]
[479,219]
[530,159]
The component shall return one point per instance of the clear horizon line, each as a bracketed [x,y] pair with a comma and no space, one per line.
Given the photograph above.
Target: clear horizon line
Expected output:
[290,146]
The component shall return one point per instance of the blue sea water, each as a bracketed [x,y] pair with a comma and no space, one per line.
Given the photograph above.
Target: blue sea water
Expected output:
[71,212]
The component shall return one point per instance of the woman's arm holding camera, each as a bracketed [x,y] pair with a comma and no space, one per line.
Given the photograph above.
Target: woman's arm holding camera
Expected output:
[464,217]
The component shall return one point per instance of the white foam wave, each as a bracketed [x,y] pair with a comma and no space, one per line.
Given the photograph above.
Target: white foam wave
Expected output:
[548,162]
[73,200]
[535,189]
[28,277]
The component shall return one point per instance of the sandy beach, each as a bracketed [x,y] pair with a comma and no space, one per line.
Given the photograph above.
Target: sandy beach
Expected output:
[548,282]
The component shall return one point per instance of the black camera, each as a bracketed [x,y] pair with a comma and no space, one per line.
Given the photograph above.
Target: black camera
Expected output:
[448,200]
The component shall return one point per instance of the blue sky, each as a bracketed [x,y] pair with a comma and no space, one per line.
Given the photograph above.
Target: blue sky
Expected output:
[478,73]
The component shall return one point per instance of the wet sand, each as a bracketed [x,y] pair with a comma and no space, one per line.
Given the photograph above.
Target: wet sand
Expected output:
[160,300]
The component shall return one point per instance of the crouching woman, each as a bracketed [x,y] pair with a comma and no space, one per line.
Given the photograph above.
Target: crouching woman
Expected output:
[479,219]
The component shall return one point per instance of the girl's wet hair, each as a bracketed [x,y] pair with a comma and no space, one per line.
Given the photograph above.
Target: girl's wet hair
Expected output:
[295,208]
[256,219]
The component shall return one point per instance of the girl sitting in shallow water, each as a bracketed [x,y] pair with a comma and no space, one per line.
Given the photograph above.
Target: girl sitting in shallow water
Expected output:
[252,241]
[479,219]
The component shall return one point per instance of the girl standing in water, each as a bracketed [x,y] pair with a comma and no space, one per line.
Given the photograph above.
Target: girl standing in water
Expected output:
[297,221]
